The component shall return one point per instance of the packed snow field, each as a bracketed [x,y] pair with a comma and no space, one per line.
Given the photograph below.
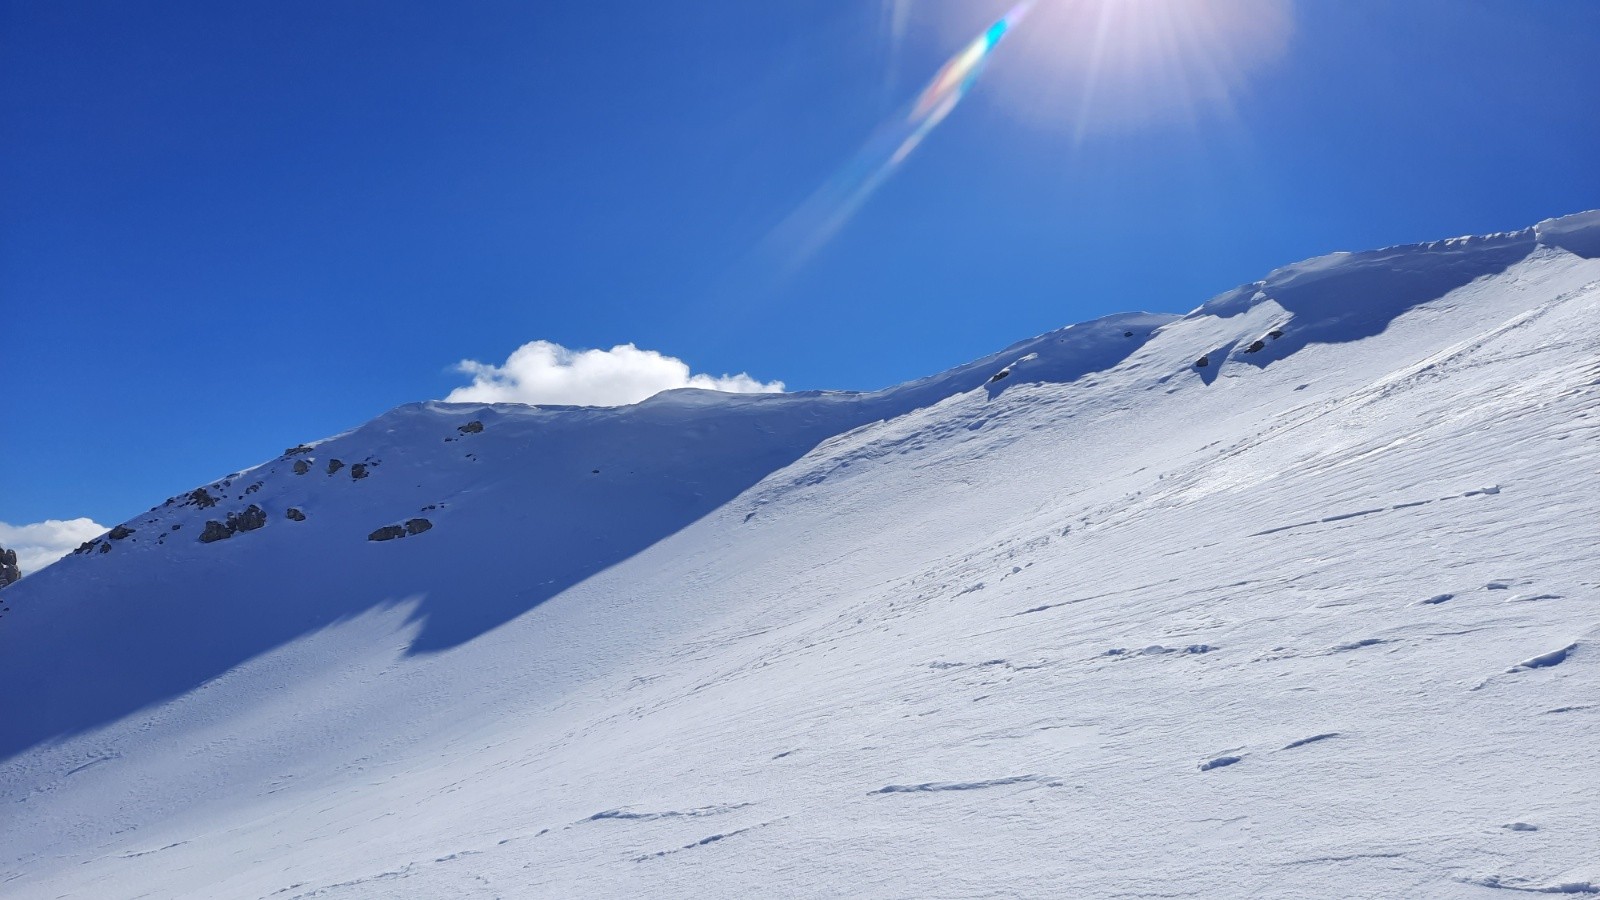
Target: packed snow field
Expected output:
[1319,617]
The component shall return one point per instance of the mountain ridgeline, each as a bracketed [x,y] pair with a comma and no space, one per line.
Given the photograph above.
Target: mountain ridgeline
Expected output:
[1305,576]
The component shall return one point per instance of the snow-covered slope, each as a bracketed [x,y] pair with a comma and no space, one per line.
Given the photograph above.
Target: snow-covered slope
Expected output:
[1319,617]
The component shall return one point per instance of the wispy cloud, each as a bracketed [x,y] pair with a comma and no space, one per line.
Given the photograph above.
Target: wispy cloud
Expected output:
[542,372]
[42,543]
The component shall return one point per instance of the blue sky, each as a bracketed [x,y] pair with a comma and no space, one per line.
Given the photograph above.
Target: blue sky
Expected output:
[230,227]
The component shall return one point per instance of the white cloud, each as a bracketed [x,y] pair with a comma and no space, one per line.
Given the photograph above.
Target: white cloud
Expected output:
[42,543]
[542,372]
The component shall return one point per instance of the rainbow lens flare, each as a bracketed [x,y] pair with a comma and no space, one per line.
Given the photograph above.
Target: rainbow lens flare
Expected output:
[821,217]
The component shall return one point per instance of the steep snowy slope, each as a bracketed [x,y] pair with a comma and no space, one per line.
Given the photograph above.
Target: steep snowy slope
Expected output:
[1317,617]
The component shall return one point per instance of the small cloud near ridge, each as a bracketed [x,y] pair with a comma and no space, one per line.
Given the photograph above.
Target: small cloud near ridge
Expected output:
[42,543]
[541,372]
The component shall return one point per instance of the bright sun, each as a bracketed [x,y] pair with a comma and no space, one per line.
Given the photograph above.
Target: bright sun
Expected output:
[1111,65]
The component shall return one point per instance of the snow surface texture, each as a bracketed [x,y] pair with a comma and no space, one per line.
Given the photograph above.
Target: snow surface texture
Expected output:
[1319,618]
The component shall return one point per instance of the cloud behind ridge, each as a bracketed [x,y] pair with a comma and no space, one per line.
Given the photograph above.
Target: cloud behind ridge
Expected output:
[42,543]
[541,372]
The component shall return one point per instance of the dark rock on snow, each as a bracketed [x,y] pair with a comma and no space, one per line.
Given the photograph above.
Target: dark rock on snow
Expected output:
[390,532]
[9,573]
[252,518]
[387,533]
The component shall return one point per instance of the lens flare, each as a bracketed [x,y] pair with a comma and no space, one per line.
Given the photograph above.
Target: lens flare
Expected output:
[1105,67]
[827,211]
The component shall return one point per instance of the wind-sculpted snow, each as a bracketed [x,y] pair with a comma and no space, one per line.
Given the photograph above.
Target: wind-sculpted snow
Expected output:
[1578,234]
[1349,296]
[1315,619]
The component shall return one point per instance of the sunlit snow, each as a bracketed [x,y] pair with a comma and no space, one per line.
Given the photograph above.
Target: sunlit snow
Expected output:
[1318,618]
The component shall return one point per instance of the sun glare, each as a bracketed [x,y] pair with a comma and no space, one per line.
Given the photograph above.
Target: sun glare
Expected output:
[1113,65]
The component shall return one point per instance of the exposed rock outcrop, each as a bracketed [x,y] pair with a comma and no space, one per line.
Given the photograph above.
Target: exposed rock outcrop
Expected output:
[390,532]
[252,518]
[472,427]
[120,532]
[294,514]
[9,573]
[335,465]
[202,498]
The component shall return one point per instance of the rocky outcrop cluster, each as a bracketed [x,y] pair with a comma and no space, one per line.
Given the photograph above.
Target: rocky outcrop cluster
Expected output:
[102,544]
[252,518]
[200,497]
[221,493]
[358,470]
[9,573]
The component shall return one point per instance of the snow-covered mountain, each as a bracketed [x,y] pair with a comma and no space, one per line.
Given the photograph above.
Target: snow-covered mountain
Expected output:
[1297,595]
